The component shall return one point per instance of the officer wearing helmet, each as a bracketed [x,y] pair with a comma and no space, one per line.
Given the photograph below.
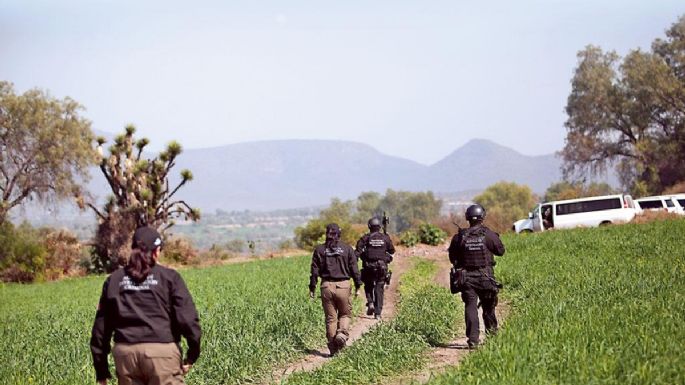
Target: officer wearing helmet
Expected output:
[376,250]
[472,250]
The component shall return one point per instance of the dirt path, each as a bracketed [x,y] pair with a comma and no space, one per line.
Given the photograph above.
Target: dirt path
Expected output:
[362,323]
[443,357]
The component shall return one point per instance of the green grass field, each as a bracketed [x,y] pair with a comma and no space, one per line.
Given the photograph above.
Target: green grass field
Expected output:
[253,315]
[590,306]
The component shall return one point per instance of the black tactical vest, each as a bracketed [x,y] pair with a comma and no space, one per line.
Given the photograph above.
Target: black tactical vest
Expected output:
[375,247]
[475,252]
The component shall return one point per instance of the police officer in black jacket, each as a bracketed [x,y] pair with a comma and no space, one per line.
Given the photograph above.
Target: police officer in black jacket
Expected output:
[376,250]
[147,308]
[335,263]
[472,250]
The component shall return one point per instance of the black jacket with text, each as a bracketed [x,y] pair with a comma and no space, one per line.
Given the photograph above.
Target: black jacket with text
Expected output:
[335,263]
[159,309]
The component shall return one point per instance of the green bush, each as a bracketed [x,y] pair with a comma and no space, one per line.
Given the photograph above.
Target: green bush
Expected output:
[22,253]
[431,235]
[409,239]
[314,233]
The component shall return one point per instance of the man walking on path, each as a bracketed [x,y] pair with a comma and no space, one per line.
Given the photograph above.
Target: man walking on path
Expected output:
[376,250]
[471,251]
[336,263]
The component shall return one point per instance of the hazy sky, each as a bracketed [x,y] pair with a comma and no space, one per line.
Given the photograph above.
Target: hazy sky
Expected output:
[414,79]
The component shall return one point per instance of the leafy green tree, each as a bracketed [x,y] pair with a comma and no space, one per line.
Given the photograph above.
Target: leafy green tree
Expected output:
[367,205]
[141,196]
[314,232]
[629,114]
[407,209]
[572,190]
[45,148]
[505,202]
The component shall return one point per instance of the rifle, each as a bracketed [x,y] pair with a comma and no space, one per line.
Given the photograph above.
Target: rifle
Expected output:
[386,221]
[454,222]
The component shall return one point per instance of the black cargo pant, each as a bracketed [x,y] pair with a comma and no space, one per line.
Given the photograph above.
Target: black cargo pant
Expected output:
[373,276]
[479,285]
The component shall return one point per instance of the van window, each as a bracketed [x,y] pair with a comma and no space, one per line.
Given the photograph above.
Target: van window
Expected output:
[588,206]
[669,203]
[651,204]
[682,202]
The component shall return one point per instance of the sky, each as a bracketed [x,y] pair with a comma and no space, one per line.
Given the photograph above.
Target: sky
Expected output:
[415,79]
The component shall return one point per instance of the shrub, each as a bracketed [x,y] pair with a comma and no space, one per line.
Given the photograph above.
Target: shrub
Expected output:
[409,239]
[179,250]
[314,233]
[22,254]
[286,244]
[677,188]
[649,216]
[236,245]
[431,235]
[63,252]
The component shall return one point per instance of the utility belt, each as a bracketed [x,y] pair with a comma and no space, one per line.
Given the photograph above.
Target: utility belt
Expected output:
[376,271]
[474,268]
[334,279]
[458,278]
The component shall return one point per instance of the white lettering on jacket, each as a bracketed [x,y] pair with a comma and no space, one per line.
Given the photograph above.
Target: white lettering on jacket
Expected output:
[128,283]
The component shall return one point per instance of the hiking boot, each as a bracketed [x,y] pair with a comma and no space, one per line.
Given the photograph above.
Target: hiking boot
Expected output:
[472,345]
[340,341]
[332,349]
[377,316]
[370,309]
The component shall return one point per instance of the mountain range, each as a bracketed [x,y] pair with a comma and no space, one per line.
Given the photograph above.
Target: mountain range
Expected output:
[280,174]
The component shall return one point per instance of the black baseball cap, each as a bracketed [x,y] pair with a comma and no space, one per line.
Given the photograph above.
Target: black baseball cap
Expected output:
[146,238]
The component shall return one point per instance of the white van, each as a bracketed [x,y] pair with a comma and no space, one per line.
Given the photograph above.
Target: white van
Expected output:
[680,201]
[582,212]
[658,203]
[668,203]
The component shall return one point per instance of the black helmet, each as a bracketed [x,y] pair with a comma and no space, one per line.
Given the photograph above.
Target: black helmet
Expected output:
[475,213]
[374,222]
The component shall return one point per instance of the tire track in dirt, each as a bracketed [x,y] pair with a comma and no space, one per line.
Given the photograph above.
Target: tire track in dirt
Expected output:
[362,323]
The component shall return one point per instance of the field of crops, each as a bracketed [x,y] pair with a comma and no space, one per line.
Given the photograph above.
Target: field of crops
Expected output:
[591,306]
[253,315]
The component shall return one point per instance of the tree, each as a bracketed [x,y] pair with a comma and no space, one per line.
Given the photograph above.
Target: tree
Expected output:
[314,232]
[572,190]
[141,195]
[405,209]
[409,209]
[629,114]
[45,148]
[505,202]
[367,206]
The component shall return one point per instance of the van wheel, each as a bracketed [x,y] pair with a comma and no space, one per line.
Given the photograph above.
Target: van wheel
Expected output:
[605,223]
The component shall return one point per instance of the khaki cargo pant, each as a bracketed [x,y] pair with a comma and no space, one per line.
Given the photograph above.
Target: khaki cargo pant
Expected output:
[335,297]
[148,364]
